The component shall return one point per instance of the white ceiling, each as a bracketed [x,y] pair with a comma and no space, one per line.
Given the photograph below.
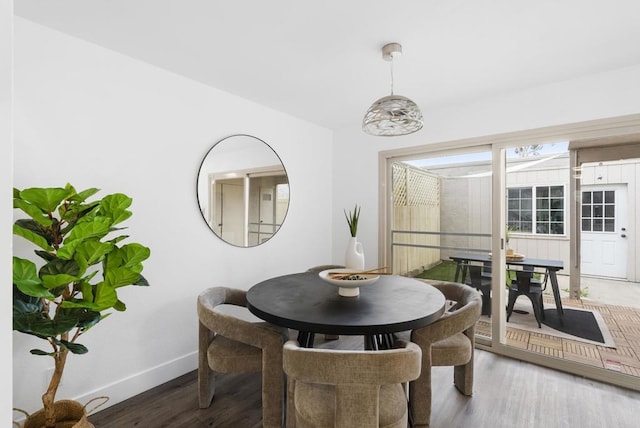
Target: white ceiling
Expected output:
[321,60]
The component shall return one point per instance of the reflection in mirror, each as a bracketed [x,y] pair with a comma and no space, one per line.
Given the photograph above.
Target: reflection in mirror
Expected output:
[243,190]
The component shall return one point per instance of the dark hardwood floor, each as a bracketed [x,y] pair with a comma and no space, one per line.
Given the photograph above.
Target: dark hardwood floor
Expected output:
[507,393]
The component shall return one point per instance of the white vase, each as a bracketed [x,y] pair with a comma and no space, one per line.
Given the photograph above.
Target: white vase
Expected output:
[354,256]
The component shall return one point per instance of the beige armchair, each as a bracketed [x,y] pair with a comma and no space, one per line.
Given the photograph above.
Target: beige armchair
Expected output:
[228,344]
[447,342]
[349,389]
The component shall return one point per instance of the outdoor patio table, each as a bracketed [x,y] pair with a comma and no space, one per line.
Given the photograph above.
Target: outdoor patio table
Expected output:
[551,267]
[306,303]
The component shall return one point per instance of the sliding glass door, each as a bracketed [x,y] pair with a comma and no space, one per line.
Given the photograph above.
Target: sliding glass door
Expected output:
[556,213]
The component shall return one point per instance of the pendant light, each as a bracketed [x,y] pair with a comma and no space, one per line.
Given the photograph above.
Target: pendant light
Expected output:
[394,114]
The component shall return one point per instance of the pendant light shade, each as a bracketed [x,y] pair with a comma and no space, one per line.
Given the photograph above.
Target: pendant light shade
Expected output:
[394,114]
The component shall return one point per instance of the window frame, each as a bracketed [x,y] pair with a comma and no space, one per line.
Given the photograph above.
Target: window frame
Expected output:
[534,210]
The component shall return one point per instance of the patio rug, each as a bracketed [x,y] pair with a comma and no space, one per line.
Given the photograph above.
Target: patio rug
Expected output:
[579,324]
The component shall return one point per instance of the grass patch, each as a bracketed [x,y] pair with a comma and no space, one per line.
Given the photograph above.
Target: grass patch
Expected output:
[445,271]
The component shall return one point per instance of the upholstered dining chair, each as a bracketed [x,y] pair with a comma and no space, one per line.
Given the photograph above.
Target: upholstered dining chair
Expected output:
[230,344]
[449,341]
[349,388]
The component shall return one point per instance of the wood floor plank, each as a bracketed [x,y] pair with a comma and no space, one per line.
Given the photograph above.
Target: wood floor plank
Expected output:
[507,393]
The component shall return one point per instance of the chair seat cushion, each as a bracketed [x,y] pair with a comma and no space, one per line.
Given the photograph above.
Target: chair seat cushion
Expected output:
[453,351]
[229,356]
[315,405]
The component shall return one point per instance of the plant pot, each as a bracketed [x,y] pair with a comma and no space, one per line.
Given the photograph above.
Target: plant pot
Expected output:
[69,414]
[354,255]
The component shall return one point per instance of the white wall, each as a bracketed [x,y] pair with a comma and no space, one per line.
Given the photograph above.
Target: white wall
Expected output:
[128,127]
[355,164]
[94,118]
[6,172]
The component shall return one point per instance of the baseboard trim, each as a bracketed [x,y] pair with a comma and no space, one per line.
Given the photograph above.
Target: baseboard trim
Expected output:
[130,386]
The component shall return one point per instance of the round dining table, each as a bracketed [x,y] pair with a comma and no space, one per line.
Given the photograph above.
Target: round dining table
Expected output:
[306,303]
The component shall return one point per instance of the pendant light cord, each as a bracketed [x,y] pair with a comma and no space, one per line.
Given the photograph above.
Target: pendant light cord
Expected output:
[391,67]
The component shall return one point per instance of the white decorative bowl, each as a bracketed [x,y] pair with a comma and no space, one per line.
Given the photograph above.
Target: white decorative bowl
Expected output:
[348,287]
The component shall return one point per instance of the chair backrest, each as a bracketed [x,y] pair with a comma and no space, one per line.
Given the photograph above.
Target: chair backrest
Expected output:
[523,278]
[356,375]
[475,275]
[256,334]
[486,268]
[468,309]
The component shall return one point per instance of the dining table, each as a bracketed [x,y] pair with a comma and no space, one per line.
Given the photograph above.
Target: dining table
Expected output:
[306,303]
[551,267]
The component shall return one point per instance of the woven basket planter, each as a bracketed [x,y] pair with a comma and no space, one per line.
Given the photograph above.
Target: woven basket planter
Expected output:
[69,414]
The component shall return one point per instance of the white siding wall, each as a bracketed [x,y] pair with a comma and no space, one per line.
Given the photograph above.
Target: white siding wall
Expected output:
[537,246]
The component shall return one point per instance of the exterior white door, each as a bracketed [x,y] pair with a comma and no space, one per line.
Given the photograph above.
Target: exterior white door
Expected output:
[604,231]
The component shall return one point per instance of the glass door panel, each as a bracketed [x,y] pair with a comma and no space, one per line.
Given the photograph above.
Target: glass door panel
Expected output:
[441,212]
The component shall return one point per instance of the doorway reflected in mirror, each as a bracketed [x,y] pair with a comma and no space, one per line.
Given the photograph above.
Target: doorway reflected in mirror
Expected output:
[243,190]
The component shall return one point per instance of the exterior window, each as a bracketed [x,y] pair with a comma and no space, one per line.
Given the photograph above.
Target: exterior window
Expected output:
[598,211]
[538,210]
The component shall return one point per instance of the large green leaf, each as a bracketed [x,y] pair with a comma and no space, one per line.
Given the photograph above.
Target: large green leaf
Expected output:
[25,272]
[96,227]
[115,202]
[47,199]
[105,296]
[26,278]
[82,196]
[64,321]
[41,352]
[68,249]
[119,277]
[86,317]
[115,206]
[74,348]
[130,256]
[59,272]
[33,237]
[23,303]
[93,251]
[33,211]
[55,281]
[96,298]
[37,324]
[59,266]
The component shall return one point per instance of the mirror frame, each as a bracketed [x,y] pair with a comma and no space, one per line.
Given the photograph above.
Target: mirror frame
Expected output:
[240,174]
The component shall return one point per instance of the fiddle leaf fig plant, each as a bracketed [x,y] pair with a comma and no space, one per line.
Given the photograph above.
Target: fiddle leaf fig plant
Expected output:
[82,264]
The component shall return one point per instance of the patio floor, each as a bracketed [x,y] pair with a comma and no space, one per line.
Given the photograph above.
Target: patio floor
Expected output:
[623,322]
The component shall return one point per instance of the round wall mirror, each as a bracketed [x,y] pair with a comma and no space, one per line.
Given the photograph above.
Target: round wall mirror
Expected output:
[243,190]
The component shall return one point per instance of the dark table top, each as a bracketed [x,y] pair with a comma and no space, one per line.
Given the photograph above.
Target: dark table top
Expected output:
[484,257]
[304,302]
